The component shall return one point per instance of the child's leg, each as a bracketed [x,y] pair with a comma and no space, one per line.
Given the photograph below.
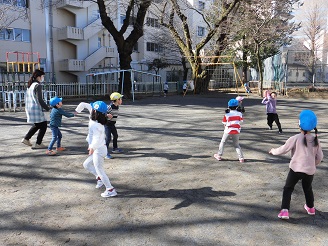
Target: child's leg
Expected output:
[307,188]
[54,131]
[115,136]
[59,138]
[88,165]
[235,141]
[270,119]
[291,181]
[276,120]
[108,135]
[98,162]
[222,143]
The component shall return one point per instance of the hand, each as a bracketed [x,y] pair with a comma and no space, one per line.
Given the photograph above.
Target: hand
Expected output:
[75,113]
[91,150]
[109,116]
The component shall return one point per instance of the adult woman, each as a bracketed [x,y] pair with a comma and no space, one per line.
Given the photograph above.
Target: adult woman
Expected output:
[33,107]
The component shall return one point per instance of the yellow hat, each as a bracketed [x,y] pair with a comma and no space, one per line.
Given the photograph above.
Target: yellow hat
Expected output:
[115,95]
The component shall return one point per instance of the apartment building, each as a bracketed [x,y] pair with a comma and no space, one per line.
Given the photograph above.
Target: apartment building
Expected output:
[66,38]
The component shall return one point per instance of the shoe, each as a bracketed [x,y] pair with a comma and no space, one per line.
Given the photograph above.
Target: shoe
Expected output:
[60,149]
[109,193]
[270,128]
[99,183]
[310,211]
[51,152]
[216,156]
[283,214]
[117,150]
[280,132]
[242,160]
[108,156]
[39,146]
[26,142]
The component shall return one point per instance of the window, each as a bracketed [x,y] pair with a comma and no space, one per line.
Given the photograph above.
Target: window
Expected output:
[2,34]
[135,47]
[18,3]
[9,34]
[122,19]
[18,34]
[99,42]
[154,47]
[152,22]
[200,31]
[21,3]
[26,35]
[201,5]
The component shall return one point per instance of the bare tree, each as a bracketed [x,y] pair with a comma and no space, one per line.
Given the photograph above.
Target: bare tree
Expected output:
[177,20]
[265,26]
[314,26]
[9,13]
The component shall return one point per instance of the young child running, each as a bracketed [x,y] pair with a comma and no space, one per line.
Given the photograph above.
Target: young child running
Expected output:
[55,122]
[110,127]
[306,154]
[231,120]
[270,100]
[97,148]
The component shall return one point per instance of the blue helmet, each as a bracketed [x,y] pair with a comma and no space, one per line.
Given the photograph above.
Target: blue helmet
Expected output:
[100,106]
[233,103]
[55,100]
[308,120]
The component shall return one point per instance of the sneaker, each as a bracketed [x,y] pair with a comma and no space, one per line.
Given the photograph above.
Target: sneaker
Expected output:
[39,146]
[26,142]
[280,132]
[117,150]
[270,128]
[216,156]
[310,211]
[99,183]
[283,214]
[51,152]
[60,149]
[109,193]
[108,156]
[242,160]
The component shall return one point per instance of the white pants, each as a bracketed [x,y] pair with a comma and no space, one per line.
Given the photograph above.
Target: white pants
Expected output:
[235,141]
[95,165]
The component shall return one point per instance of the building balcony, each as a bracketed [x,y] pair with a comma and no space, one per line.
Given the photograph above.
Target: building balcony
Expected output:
[71,65]
[74,65]
[66,4]
[70,32]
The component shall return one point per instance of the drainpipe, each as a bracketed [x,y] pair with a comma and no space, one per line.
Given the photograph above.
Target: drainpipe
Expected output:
[50,67]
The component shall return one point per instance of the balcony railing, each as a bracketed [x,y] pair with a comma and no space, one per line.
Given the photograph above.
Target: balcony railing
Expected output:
[70,32]
[72,65]
[73,4]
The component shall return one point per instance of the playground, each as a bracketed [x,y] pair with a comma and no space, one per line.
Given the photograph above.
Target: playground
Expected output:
[171,190]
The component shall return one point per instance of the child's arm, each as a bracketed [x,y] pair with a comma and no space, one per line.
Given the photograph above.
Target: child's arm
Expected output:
[319,155]
[83,106]
[289,145]
[62,112]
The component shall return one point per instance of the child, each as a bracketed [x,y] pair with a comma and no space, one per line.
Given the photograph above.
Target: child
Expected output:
[184,87]
[270,100]
[97,149]
[240,107]
[231,121]
[166,88]
[110,128]
[247,89]
[55,122]
[306,154]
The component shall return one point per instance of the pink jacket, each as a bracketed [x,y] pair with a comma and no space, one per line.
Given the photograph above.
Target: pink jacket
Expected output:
[304,159]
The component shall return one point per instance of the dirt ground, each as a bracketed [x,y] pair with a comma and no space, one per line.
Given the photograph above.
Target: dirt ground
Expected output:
[171,191]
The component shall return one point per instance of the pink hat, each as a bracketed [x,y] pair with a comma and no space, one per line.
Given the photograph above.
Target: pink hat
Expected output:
[239,98]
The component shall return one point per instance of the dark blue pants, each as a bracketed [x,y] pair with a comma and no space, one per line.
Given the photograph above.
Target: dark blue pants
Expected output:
[110,130]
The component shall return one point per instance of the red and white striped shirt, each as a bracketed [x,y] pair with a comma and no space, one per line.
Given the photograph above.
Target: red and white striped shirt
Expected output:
[232,122]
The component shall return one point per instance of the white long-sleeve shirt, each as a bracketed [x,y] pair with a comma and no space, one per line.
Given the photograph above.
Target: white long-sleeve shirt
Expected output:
[96,135]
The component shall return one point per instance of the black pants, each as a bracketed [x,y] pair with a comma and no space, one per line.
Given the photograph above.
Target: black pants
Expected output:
[272,117]
[291,181]
[110,130]
[41,127]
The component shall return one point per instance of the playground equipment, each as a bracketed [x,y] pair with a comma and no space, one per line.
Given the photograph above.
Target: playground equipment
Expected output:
[22,62]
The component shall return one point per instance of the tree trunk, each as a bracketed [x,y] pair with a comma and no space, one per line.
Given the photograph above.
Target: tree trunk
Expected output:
[259,66]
